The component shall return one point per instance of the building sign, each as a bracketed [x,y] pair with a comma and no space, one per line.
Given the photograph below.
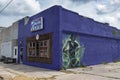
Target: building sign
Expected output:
[37,24]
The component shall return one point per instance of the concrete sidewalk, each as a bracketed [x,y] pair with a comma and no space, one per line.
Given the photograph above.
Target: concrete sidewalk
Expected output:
[23,71]
[109,71]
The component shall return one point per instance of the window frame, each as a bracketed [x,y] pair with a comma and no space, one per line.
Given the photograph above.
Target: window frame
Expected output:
[43,38]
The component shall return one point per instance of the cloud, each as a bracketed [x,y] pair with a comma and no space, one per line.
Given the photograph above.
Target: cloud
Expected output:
[21,7]
[81,1]
[48,3]
[17,10]
[106,11]
[87,9]
[107,6]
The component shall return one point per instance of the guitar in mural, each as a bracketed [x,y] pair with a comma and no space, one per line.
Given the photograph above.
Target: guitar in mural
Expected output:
[72,51]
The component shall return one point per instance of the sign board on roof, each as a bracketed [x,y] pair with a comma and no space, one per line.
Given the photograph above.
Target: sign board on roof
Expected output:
[37,24]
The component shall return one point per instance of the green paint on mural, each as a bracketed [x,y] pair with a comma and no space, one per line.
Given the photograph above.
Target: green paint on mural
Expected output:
[72,51]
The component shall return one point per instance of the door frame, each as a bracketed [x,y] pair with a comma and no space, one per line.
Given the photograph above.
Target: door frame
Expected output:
[21,55]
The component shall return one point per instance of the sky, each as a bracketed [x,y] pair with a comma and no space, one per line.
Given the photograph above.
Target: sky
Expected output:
[105,11]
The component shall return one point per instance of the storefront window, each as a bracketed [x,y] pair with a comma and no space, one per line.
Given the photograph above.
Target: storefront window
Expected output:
[39,50]
[44,48]
[34,44]
[41,43]
[31,49]
[30,44]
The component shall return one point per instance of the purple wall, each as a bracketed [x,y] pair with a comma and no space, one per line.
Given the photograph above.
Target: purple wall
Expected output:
[51,24]
[100,40]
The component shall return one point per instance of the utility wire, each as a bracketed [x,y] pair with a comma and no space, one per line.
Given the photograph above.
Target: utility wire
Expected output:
[5,6]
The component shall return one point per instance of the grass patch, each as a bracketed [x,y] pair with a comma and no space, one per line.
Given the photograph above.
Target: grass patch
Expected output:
[83,65]
[116,61]
[104,63]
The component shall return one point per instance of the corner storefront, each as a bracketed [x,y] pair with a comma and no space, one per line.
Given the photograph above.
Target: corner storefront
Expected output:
[38,39]
[58,38]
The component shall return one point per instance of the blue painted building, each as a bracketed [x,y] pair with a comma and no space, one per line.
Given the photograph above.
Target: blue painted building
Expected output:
[58,38]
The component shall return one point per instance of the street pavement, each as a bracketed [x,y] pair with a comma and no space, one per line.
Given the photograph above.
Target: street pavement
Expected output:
[109,71]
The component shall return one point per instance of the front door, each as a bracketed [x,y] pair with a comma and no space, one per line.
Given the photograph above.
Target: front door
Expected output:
[21,55]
